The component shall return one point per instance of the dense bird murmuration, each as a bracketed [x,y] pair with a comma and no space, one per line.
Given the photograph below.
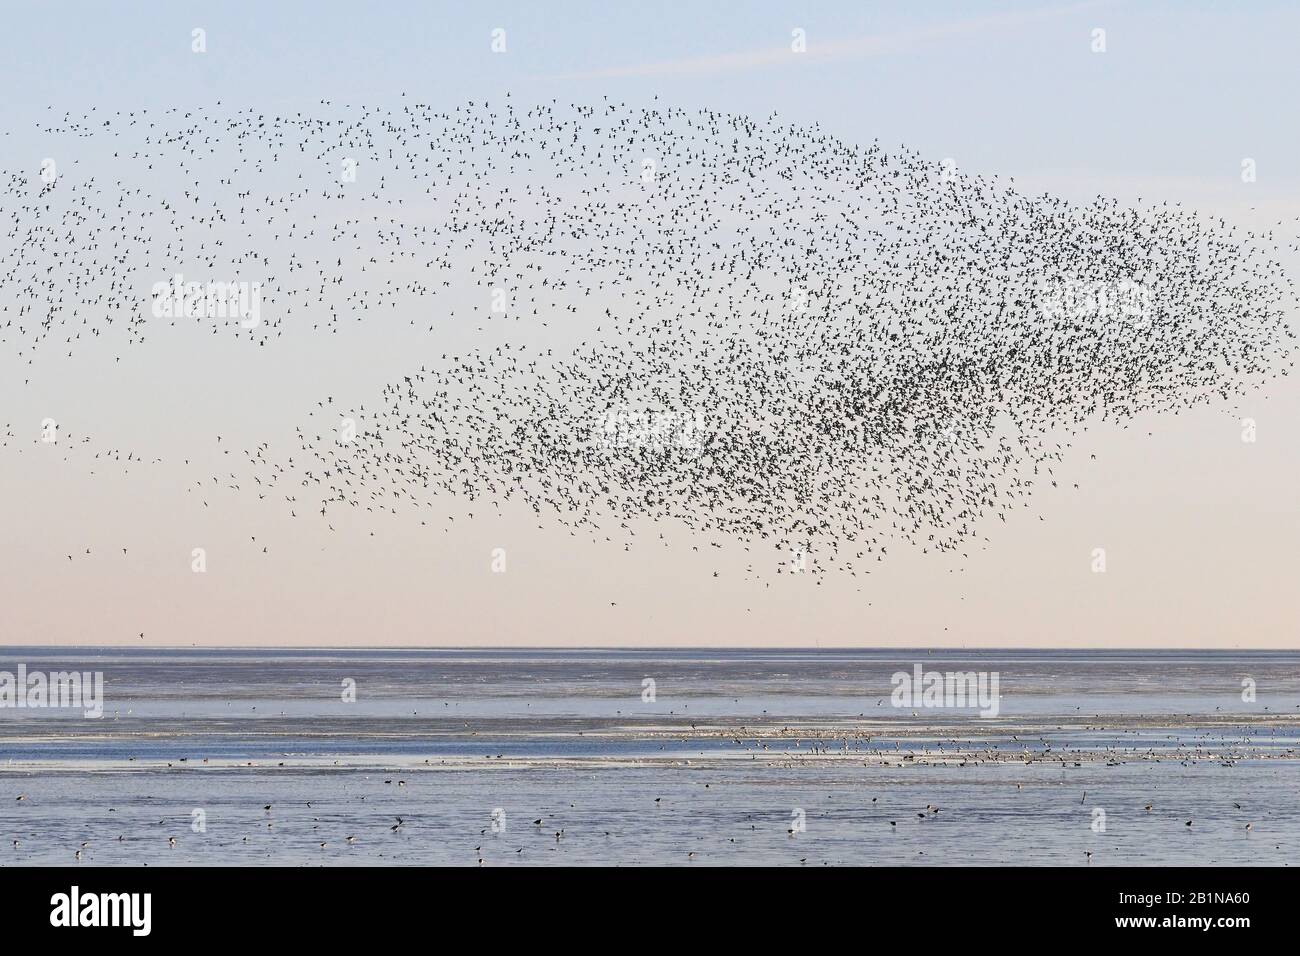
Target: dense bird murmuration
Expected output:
[751,329]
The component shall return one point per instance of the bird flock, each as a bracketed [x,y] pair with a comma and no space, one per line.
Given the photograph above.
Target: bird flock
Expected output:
[746,328]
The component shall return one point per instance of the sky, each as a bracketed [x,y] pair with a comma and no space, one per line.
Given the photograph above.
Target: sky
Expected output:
[1198,526]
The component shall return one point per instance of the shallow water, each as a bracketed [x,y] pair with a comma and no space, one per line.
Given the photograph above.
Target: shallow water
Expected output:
[719,765]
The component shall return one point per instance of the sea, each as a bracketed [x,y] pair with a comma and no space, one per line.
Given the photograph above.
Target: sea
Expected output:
[653,757]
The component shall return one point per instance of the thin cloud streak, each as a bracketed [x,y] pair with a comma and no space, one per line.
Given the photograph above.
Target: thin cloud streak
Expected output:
[828,51]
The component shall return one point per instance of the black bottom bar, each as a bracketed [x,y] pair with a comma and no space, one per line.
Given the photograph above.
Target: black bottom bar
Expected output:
[353,904]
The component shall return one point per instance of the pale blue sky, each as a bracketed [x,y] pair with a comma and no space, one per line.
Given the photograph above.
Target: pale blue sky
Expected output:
[1184,89]
[1200,527]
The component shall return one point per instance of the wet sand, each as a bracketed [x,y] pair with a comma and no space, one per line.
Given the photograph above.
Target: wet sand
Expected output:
[742,758]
